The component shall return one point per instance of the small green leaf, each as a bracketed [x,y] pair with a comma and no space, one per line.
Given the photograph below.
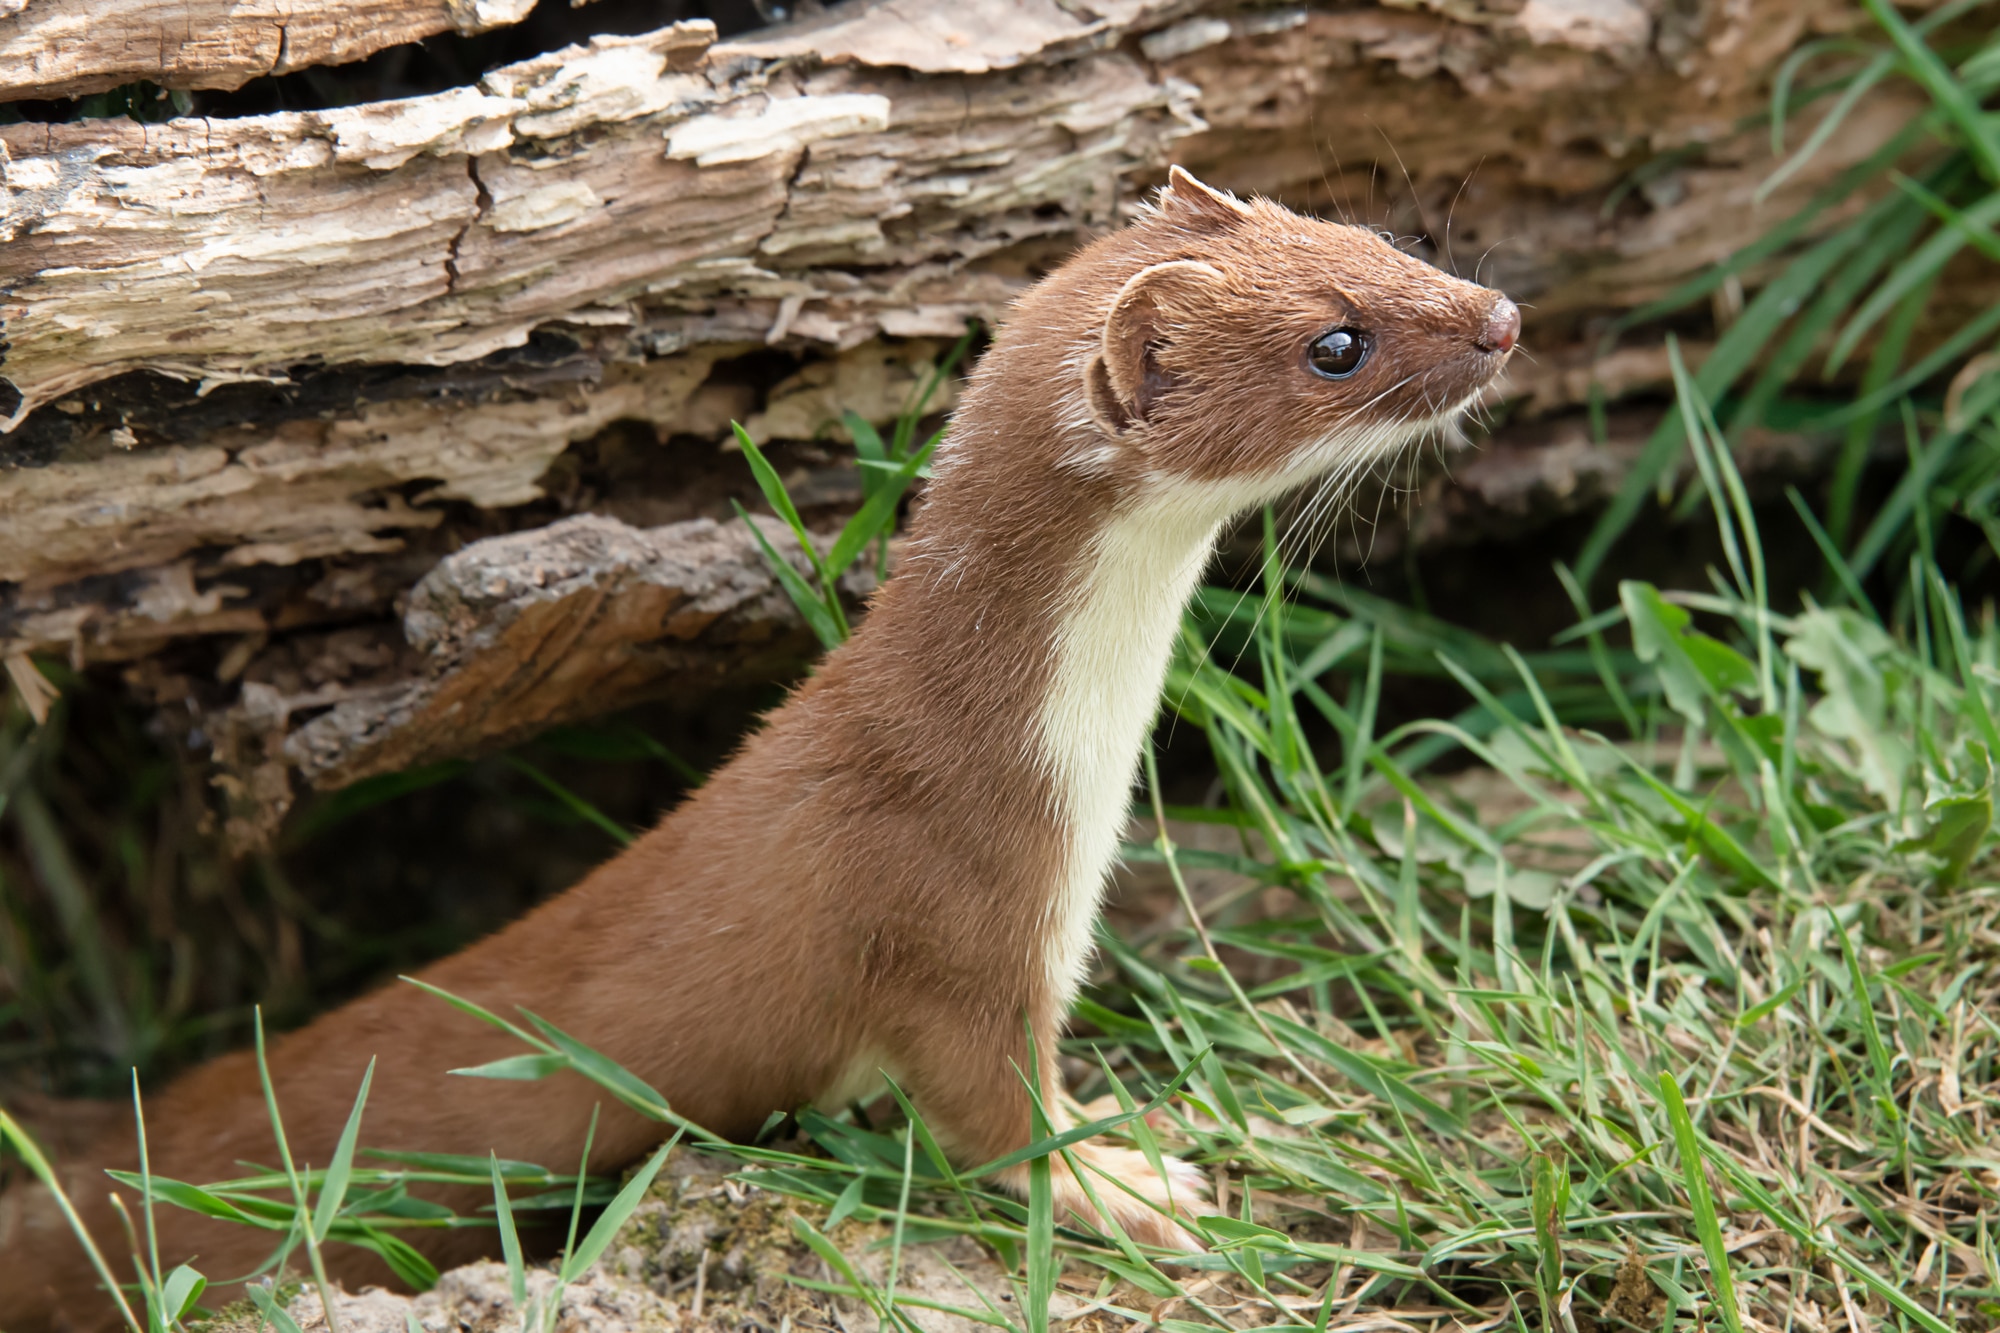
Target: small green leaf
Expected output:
[829,621]
[849,1200]
[868,448]
[773,487]
[1721,667]
[831,631]
[521,1067]
[878,515]
[867,440]
[180,1292]
[1958,826]
[1692,667]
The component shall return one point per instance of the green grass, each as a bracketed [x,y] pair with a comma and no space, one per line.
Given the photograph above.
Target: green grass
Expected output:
[887,468]
[1701,1014]
[1846,323]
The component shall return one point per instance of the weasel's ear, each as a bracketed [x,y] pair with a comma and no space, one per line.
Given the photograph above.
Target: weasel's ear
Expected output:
[1125,380]
[1188,202]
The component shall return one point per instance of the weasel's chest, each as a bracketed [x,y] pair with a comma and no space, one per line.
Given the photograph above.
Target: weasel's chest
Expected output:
[1113,641]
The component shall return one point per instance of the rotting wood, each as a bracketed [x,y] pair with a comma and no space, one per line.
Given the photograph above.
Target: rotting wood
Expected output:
[613,187]
[511,636]
[278,493]
[845,193]
[325,614]
[66,48]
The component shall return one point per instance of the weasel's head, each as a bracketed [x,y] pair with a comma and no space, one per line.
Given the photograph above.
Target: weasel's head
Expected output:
[1253,349]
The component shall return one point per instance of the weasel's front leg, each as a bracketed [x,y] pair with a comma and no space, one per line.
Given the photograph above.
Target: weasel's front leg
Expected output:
[966,1080]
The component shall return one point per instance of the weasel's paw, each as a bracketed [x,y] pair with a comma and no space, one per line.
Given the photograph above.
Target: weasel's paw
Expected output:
[1116,1175]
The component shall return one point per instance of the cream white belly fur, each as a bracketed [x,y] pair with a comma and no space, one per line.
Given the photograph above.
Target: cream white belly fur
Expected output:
[1111,652]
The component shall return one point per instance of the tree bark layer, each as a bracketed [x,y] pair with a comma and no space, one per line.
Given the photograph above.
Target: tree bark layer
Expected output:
[516,634]
[66,48]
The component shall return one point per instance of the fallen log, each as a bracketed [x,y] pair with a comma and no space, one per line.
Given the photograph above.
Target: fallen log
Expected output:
[262,374]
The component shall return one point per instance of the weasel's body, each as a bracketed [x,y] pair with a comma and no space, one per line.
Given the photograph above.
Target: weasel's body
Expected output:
[904,863]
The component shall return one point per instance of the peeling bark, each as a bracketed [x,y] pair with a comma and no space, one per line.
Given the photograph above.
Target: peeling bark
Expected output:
[66,48]
[627,186]
[519,633]
[511,636]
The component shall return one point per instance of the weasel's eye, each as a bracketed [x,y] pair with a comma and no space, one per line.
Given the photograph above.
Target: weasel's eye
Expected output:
[1338,354]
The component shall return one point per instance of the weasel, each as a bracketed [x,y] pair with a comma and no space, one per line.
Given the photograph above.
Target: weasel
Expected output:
[900,871]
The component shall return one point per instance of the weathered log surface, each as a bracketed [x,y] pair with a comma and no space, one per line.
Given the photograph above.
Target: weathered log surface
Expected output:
[511,636]
[111,552]
[679,194]
[261,374]
[519,633]
[613,187]
[65,48]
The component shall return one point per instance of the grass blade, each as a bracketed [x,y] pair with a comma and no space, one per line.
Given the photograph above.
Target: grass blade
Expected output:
[878,513]
[570,801]
[616,1212]
[1041,1239]
[825,618]
[1707,1226]
[510,1240]
[1923,64]
[267,1305]
[333,1190]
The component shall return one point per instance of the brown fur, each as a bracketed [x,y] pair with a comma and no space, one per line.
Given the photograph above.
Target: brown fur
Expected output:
[872,879]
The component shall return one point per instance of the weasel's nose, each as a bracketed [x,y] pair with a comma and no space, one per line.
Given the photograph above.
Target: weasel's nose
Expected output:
[1503,326]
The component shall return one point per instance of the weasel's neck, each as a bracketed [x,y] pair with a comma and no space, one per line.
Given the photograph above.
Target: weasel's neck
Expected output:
[1010,672]
[1114,636]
